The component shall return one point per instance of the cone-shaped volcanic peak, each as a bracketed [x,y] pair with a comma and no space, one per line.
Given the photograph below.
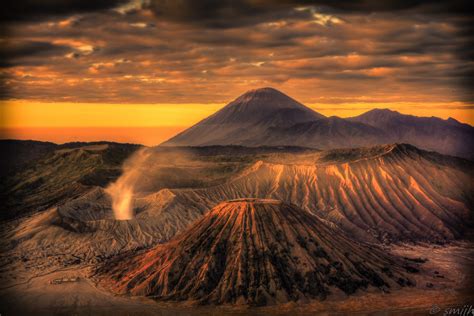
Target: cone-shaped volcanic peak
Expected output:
[246,120]
[268,99]
[256,252]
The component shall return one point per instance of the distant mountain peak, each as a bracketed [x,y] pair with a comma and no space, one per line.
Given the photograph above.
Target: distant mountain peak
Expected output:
[266,93]
[455,122]
[247,119]
[263,90]
[267,97]
[385,111]
[269,117]
[263,106]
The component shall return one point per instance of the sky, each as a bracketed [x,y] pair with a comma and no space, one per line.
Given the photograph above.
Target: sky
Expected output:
[141,71]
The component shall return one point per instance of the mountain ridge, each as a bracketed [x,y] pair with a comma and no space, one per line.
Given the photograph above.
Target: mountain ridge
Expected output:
[267,117]
[248,115]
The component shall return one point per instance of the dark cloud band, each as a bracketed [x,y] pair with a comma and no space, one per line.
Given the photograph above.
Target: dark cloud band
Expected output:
[27,10]
[231,13]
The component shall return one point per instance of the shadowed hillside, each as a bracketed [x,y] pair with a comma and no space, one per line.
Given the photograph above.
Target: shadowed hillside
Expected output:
[49,174]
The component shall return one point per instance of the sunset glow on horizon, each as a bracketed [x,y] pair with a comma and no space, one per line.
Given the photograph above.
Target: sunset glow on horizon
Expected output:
[151,124]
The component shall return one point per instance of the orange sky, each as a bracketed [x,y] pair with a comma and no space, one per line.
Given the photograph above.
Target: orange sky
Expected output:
[140,71]
[151,124]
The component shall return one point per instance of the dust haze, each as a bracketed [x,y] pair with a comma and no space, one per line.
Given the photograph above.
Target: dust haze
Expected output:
[140,173]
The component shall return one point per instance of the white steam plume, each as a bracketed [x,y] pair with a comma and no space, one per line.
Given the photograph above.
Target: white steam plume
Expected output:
[122,190]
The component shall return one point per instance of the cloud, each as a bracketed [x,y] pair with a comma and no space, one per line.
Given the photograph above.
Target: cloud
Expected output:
[211,51]
[27,10]
[15,52]
[231,13]
[221,13]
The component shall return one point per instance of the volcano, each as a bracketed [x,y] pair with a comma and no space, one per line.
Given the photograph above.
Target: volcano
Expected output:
[383,194]
[247,120]
[268,117]
[255,252]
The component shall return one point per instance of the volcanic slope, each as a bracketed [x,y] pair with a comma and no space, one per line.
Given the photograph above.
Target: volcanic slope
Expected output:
[432,133]
[49,175]
[393,193]
[84,229]
[268,117]
[255,252]
[247,120]
[385,193]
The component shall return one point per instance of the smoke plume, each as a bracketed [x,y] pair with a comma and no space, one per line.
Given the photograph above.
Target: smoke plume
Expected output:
[149,170]
[122,190]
